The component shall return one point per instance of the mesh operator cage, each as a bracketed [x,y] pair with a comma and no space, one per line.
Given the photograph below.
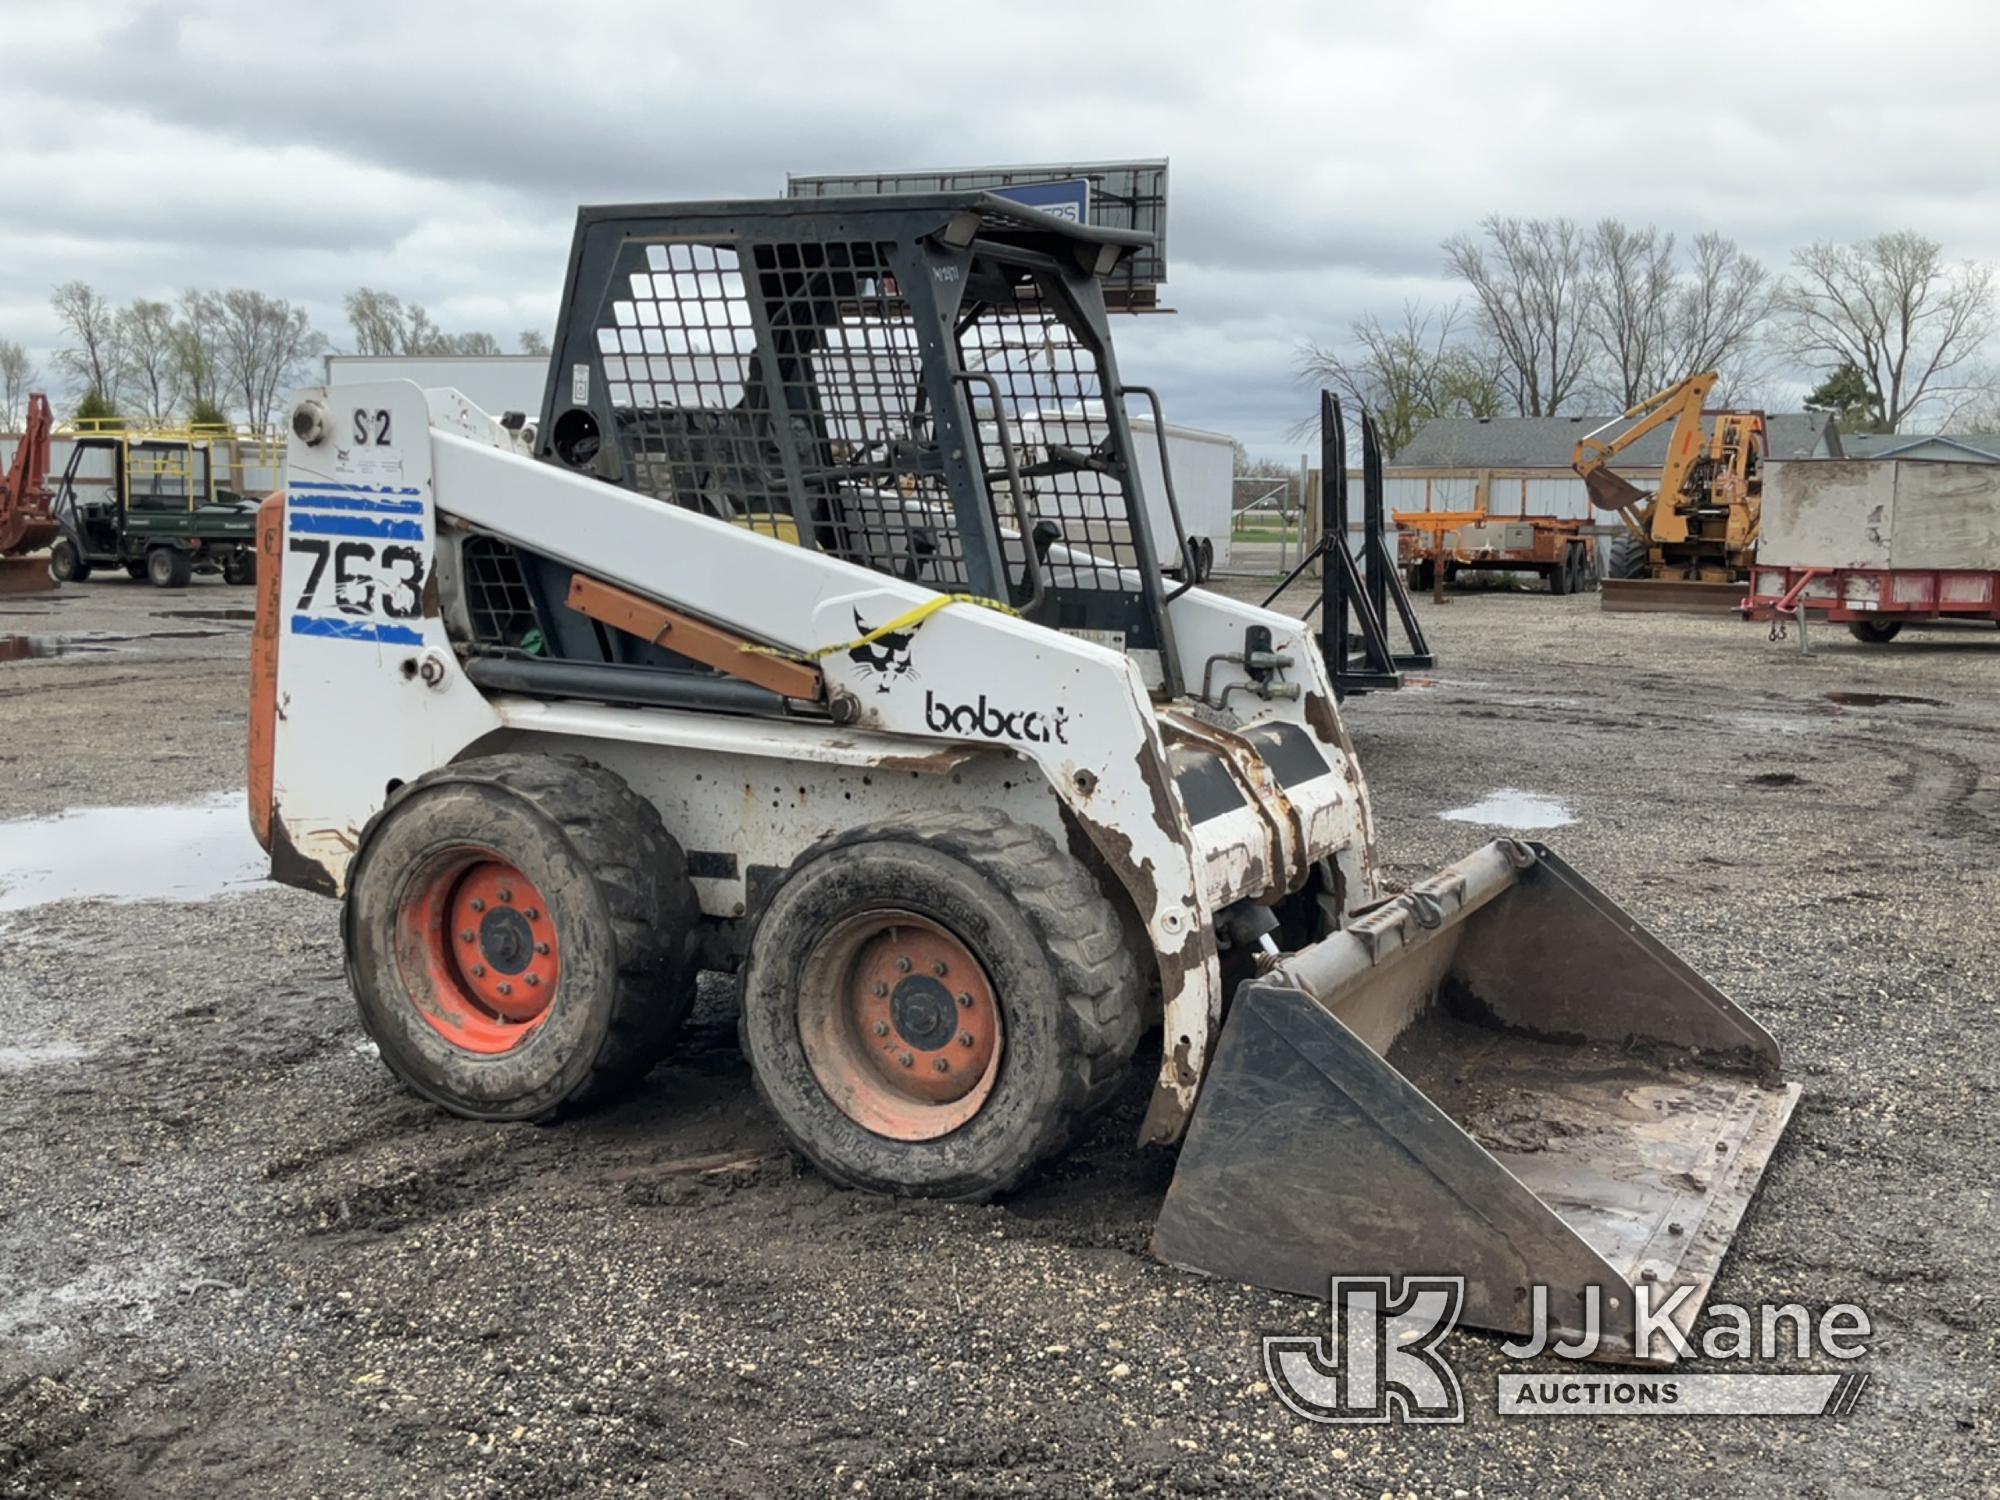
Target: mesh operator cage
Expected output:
[921,384]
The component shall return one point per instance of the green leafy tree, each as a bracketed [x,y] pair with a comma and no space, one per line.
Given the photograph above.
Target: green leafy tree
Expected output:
[207,413]
[1844,396]
[96,407]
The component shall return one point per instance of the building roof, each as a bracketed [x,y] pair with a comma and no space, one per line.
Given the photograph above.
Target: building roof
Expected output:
[1972,446]
[1550,442]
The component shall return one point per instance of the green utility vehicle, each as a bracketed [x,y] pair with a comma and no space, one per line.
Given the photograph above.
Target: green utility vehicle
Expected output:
[148,500]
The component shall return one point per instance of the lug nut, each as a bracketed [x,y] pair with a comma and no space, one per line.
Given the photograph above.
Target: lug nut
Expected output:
[542,949]
[533,914]
[881,1028]
[466,936]
[907,1061]
[533,979]
[506,989]
[506,894]
[881,989]
[965,1039]
[939,969]
[479,971]
[478,905]
[902,966]
[942,1065]
[964,1001]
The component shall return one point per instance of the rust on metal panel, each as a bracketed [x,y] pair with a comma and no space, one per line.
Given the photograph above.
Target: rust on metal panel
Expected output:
[939,762]
[262,739]
[1669,596]
[697,640]
[291,867]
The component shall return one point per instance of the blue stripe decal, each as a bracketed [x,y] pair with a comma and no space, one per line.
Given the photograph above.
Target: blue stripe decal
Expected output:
[354,502]
[304,523]
[354,489]
[356,630]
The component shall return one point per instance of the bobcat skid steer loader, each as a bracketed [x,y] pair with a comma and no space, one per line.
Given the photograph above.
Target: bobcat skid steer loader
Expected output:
[814,631]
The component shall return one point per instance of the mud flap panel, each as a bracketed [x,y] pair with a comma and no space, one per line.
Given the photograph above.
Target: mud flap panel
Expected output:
[1498,1076]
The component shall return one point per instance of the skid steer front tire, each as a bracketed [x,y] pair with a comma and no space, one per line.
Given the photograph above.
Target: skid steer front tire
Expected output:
[521,935]
[935,1003]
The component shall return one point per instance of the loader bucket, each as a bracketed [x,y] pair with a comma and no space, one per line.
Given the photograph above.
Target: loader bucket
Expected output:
[1498,1075]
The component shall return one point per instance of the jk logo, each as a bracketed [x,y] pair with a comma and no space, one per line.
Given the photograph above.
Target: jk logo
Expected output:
[1381,1363]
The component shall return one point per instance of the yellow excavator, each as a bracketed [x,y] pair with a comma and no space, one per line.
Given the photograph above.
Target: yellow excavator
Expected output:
[1691,540]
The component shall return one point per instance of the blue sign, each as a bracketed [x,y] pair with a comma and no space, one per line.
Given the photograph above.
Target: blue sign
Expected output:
[1066,200]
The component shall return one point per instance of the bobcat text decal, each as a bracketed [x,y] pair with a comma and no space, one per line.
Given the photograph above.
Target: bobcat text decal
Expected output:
[1030,726]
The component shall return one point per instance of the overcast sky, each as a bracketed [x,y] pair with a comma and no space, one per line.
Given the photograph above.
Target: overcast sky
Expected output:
[1319,151]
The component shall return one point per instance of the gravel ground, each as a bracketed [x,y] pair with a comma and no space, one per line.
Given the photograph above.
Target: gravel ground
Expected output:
[237,1259]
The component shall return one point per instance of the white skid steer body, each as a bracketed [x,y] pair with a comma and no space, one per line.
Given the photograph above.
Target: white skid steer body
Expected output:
[519,712]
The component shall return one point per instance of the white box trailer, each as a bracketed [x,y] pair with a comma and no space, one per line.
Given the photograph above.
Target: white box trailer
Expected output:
[1204,471]
[1877,545]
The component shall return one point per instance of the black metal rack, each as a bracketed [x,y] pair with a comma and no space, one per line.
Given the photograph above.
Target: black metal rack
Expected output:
[1356,597]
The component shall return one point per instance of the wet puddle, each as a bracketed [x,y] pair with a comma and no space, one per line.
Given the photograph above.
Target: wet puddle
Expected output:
[190,852]
[205,614]
[1883,700]
[35,647]
[40,1055]
[1512,808]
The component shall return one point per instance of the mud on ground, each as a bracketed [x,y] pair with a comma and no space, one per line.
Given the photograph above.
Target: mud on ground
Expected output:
[237,1259]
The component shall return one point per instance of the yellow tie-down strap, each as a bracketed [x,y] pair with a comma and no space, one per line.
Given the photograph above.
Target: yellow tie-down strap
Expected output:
[907,621]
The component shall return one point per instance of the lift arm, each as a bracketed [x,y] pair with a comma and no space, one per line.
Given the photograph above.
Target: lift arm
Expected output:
[1680,404]
[25,523]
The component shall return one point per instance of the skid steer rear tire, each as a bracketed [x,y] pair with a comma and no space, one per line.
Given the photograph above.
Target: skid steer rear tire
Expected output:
[1628,557]
[1053,994]
[543,865]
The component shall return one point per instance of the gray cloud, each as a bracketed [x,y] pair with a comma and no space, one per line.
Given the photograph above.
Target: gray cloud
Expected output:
[1319,153]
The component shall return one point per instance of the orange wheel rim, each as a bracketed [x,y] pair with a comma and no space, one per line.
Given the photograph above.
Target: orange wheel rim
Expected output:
[900,1024]
[487,959]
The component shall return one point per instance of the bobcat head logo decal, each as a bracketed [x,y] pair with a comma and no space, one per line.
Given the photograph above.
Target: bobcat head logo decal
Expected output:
[888,658]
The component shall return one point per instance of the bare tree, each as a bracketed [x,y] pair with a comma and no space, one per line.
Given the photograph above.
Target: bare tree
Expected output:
[152,357]
[1405,375]
[1656,320]
[1895,310]
[1721,306]
[1632,296]
[17,379]
[268,341]
[202,349]
[385,324]
[97,355]
[1531,284]
[532,342]
[377,321]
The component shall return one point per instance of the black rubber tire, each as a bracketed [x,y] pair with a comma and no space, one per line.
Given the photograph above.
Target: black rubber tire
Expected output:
[136,571]
[1558,576]
[628,925]
[1050,940]
[240,568]
[66,561]
[1629,557]
[1207,546]
[169,568]
[1875,632]
[1422,577]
